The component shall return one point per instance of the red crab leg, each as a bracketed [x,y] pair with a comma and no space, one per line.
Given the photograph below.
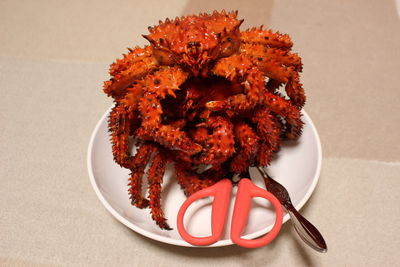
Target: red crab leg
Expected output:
[132,97]
[239,67]
[294,90]
[280,65]
[166,135]
[139,163]
[127,72]
[249,146]
[266,37]
[284,57]
[290,113]
[155,178]
[269,131]
[135,55]
[220,144]
[216,136]
[158,85]
[191,182]
[120,124]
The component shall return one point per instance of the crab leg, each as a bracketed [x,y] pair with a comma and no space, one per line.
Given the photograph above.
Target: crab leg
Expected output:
[120,124]
[269,130]
[158,85]
[279,65]
[249,146]
[285,109]
[139,163]
[166,135]
[126,71]
[257,51]
[135,55]
[191,182]
[216,136]
[267,37]
[294,89]
[240,68]
[155,178]
[220,144]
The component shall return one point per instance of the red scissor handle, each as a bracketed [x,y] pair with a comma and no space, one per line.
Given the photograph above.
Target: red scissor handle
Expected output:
[246,192]
[221,192]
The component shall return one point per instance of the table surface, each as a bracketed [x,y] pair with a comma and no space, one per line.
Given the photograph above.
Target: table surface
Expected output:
[54,57]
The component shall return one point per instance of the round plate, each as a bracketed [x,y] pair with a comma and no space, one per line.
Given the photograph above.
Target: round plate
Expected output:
[296,166]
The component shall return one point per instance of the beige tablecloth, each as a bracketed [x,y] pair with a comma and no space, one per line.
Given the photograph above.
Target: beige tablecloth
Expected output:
[54,56]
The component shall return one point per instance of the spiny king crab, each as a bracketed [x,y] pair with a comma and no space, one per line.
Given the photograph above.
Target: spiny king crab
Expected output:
[202,93]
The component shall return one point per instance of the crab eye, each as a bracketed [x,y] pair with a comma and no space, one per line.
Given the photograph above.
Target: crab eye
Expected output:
[163,56]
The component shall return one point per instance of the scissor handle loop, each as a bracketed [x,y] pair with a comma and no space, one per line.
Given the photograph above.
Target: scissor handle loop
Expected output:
[221,192]
[246,192]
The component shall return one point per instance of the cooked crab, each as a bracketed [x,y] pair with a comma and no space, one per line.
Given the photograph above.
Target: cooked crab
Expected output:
[202,92]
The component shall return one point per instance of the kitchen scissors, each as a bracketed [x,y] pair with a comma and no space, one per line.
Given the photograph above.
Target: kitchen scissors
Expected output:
[221,191]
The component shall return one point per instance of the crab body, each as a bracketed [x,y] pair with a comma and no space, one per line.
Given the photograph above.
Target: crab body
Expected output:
[202,92]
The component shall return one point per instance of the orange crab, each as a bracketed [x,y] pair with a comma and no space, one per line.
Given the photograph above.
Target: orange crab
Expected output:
[202,92]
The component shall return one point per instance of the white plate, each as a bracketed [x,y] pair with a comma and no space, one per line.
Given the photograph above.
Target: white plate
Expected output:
[296,166]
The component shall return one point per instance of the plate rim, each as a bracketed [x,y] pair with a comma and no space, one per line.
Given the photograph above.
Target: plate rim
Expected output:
[182,242]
